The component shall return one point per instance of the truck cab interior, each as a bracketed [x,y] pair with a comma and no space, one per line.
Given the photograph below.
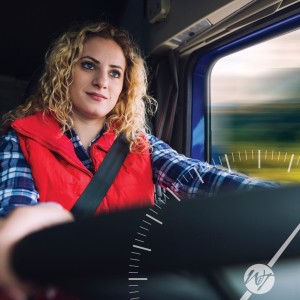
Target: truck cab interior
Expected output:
[226,77]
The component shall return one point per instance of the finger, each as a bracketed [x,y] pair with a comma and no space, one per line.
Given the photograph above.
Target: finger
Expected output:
[27,219]
[8,293]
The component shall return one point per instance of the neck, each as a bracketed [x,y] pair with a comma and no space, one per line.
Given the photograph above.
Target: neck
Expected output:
[87,130]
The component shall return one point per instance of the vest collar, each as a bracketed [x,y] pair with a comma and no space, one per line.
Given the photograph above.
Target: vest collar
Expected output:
[44,128]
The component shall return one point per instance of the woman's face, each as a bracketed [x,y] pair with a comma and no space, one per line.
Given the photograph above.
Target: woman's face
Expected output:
[98,79]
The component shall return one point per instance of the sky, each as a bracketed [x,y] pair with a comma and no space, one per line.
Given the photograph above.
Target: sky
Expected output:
[269,71]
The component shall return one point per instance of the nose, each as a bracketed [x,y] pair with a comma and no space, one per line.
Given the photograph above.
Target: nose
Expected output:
[100,80]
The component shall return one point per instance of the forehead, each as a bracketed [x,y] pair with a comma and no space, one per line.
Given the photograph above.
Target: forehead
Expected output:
[104,50]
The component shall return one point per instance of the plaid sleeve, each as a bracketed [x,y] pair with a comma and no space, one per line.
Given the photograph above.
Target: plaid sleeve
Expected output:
[189,178]
[16,182]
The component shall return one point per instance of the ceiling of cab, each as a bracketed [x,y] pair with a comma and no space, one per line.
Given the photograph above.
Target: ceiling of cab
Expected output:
[227,19]
[28,27]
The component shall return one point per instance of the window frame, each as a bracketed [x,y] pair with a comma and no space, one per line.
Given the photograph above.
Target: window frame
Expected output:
[201,62]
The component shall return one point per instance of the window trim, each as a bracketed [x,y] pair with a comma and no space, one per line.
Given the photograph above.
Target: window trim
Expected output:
[202,62]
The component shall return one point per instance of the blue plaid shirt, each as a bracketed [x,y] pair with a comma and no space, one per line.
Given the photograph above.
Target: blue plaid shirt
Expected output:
[183,176]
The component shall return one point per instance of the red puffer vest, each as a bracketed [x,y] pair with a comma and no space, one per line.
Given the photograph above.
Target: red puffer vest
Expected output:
[61,177]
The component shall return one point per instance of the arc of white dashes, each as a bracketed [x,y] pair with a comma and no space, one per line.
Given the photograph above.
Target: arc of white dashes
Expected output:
[227,161]
[191,174]
[215,163]
[179,182]
[173,194]
[220,161]
[291,161]
[199,176]
[154,219]
[266,151]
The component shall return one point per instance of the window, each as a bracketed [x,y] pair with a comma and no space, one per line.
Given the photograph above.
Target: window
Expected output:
[255,109]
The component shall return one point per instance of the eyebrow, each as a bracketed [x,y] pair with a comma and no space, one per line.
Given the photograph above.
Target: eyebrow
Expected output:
[98,62]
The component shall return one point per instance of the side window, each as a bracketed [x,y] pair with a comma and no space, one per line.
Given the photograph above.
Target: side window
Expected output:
[255,109]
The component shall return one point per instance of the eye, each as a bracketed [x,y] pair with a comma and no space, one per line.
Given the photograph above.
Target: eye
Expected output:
[88,65]
[115,73]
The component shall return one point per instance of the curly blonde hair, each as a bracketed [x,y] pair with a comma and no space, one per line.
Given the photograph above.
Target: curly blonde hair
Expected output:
[128,115]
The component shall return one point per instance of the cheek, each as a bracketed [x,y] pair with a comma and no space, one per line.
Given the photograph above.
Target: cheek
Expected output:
[117,89]
[75,87]
[78,80]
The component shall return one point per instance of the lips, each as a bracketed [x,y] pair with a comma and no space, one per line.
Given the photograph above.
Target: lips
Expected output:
[96,96]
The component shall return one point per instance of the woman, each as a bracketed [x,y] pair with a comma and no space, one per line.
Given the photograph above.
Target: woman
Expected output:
[94,86]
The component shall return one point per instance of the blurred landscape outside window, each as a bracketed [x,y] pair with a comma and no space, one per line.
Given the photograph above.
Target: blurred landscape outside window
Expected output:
[255,110]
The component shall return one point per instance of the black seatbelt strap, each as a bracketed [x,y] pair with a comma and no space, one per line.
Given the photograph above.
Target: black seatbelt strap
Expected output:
[94,193]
